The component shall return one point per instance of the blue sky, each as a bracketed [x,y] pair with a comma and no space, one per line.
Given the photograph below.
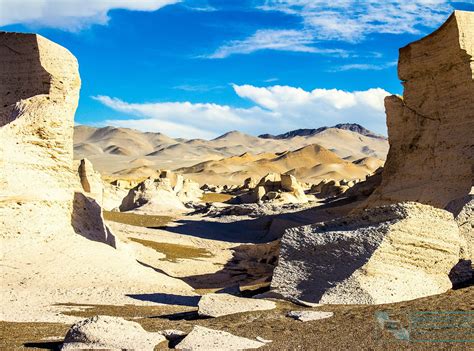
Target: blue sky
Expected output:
[199,68]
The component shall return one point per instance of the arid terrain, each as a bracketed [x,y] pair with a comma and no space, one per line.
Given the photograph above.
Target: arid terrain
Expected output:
[334,238]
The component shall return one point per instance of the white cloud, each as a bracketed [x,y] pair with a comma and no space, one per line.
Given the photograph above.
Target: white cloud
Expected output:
[339,20]
[353,20]
[268,39]
[70,15]
[276,109]
[363,67]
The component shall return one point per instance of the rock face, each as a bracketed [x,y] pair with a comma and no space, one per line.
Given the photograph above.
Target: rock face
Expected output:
[216,305]
[205,339]
[430,130]
[387,254]
[54,244]
[104,332]
[39,95]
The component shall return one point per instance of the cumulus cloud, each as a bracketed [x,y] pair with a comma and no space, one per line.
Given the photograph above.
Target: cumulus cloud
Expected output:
[276,109]
[70,15]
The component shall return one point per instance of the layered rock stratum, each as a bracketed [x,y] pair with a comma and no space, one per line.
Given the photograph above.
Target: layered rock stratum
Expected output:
[403,244]
[431,128]
[389,254]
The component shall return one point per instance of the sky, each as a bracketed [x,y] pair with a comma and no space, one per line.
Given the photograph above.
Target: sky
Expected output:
[200,68]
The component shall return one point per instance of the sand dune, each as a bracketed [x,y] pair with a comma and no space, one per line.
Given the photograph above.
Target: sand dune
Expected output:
[310,163]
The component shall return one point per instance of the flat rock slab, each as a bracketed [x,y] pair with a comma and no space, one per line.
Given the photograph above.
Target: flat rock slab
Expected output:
[202,338]
[216,305]
[111,333]
[306,316]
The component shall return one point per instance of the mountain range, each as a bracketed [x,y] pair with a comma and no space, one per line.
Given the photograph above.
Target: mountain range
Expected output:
[310,154]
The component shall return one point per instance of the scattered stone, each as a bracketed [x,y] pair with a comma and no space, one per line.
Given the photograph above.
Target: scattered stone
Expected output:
[217,305]
[205,339]
[105,332]
[306,316]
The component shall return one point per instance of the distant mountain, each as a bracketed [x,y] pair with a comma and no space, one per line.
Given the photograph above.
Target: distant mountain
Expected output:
[131,153]
[353,127]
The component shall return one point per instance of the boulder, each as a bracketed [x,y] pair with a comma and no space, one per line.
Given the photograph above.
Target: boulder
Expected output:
[111,333]
[306,316]
[385,254]
[217,305]
[91,180]
[205,339]
[430,129]
[250,183]
[271,182]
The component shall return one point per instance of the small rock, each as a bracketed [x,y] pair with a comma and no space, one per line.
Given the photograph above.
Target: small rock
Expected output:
[105,332]
[216,305]
[209,339]
[306,316]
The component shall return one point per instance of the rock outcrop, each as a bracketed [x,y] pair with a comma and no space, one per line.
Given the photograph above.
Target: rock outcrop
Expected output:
[430,129]
[91,180]
[55,245]
[39,95]
[168,192]
[111,333]
[280,188]
[387,254]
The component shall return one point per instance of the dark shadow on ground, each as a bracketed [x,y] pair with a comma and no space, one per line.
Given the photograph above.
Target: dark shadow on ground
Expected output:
[262,229]
[47,345]
[182,316]
[168,299]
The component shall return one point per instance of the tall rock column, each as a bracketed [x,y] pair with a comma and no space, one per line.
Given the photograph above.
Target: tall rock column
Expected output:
[39,93]
[431,129]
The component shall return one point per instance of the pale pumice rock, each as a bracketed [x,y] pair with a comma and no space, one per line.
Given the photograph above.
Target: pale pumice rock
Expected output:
[205,339]
[91,180]
[111,333]
[385,254]
[54,244]
[217,305]
[430,129]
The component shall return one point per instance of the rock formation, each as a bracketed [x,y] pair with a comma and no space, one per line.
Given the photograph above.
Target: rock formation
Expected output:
[111,333]
[387,254]
[430,129]
[282,188]
[91,180]
[55,245]
[168,192]
[39,95]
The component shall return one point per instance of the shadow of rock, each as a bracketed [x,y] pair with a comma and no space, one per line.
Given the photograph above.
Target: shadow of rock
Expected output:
[167,299]
[87,220]
[250,264]
[23,75]
[47,345]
